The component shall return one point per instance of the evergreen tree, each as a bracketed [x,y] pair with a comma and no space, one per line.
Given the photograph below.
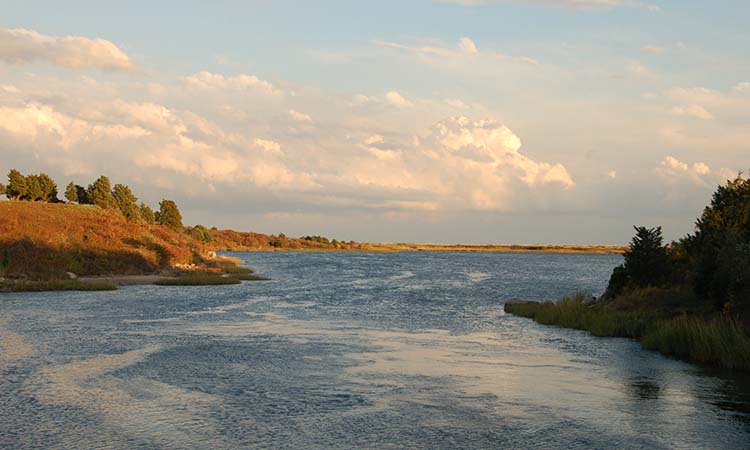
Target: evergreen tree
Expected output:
[82,195]
[169,215]
[126,202]
[71,193]
[47,188]
[201,233]
[33,189]
[147,214]
[647,263]
[99,193]
[16,185]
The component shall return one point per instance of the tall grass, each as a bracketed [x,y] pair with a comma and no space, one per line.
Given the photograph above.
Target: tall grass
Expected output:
[720,341]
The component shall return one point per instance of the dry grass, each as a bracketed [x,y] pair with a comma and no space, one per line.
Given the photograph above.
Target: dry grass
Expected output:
[43,241]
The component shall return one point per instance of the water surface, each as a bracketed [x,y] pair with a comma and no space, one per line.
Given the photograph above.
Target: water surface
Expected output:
[408,350]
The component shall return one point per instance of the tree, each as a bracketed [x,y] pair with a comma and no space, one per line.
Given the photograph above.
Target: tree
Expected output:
[169,215]
[201,233]
[83,196]
[718,253]
[147,214]
[16,185]
[47,188]
[126,202]
[2,189]
[647,263]
[71,193]
[99,193]
[33,189]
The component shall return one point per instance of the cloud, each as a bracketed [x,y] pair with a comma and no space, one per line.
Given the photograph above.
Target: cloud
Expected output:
[397,100]
[205,80]
[694,111]
[468,46]
[559,3]
[654,49]
[674,172]
[20,46]
[299,117]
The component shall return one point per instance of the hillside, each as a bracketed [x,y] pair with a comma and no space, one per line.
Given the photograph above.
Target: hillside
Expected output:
[45,240]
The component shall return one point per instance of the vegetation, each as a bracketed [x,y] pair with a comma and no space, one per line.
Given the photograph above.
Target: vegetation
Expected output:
[54,285]
[147,214]
[201,233]
[169,215]
[198,279]
[690,299]
[71,193]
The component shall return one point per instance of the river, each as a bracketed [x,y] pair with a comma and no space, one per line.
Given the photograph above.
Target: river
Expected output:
[350,350]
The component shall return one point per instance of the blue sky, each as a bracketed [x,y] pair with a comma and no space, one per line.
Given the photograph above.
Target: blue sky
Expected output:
[455,121]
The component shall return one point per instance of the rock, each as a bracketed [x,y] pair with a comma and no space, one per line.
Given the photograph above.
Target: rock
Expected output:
[72,276]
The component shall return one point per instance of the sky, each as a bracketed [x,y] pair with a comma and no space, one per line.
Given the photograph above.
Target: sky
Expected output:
[456,121]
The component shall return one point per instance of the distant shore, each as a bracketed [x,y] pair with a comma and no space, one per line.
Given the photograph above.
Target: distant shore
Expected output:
[386,247]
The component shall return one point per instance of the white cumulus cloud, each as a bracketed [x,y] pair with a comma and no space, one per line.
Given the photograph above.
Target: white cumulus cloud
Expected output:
[20,46]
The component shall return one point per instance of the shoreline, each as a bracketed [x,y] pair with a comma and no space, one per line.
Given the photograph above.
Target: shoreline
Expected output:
[448,248]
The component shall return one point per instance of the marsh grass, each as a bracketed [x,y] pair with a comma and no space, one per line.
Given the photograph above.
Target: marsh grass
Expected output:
[55,285]
[198,279]
[719,341]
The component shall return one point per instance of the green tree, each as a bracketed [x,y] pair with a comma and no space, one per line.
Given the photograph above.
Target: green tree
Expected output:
[100,193]
[47,187]
[126,202]
[16,185]
[33,189]
[647,263]
[201,233]
[71,193]
[2,189]
[147,214]
[169,215]
[718,253]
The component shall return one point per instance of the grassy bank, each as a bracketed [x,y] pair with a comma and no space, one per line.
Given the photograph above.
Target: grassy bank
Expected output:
[717,341]
[55,285]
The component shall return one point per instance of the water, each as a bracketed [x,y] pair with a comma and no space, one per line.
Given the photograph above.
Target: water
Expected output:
[407,350]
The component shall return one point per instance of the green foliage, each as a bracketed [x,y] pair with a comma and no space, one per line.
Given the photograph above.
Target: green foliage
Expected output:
[201,233]
[16,185]
[169,215]
[147,214]
[718,254]
[125,201]
[647,263]
[320,239]
[71,193]
[2,189]
[99,193]
[48,188]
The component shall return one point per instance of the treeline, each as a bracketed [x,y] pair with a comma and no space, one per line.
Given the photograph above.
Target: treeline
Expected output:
[42,188]
[713,263]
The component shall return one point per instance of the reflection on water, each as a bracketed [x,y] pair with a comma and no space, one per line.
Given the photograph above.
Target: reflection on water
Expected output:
[349,351]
